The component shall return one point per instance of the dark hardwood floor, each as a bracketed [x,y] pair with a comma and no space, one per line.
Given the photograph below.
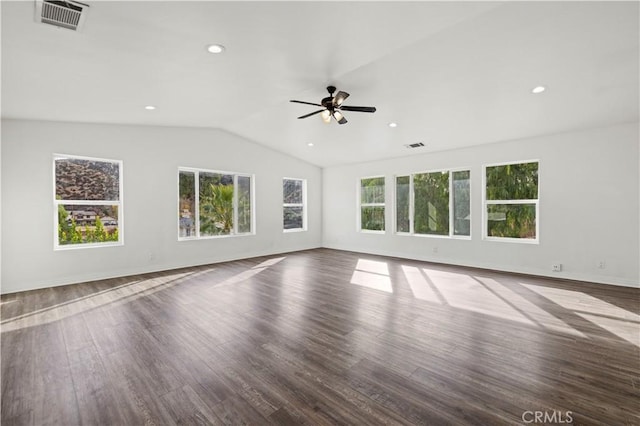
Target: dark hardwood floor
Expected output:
[322,337]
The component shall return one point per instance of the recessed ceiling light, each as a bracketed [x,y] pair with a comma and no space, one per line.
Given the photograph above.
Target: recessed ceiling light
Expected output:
[310,144]
[392,124]
[538,89]
[215,48]
[150,107]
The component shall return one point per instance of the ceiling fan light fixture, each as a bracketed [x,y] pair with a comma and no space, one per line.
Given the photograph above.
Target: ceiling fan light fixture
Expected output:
[326,116]
[339,117]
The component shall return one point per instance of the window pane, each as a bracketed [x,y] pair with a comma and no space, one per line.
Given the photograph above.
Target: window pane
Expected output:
[82,224]
[511,220]
[244,204]
[512,182]
[216,204]
[372,190]
[78,179]
[461,203]
[292,191]
[292,217]
[187,204]
[372,218]
[431,199]
[402,204]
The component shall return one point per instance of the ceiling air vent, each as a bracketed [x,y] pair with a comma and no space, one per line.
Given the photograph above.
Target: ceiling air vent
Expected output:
[414,145]
[60,13]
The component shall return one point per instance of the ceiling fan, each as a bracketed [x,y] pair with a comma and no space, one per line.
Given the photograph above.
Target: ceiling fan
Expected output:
[332,107]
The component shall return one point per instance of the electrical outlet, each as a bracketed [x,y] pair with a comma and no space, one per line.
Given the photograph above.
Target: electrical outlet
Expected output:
[602,264]
[556,267]
[435,249]
[152,256]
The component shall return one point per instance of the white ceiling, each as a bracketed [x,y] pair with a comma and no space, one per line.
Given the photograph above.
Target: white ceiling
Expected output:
[451,74]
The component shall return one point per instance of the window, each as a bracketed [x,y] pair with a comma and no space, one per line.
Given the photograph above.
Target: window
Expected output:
[511,201]
[372,204]
[403,204]
[87,202]
[213,203]
[461,187]
[431,203]
[293,204]
[434,203]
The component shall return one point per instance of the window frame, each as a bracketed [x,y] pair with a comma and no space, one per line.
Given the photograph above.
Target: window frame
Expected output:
[411,231]
[119,203]
[303,205]
[234,232]
[486,203]
[360,205]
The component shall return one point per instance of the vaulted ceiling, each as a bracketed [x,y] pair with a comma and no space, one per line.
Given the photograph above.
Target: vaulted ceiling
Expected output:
[450,74]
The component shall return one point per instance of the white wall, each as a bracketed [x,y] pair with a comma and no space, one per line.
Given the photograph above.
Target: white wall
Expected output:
[151,156]
[589,196]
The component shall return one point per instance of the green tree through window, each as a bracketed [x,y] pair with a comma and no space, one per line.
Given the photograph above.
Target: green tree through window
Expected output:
[511,201]
[222,206]
[372,208]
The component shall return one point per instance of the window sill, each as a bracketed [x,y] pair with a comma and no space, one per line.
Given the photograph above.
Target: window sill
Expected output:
[370,231]
[215,237]
[86,246]
[512,240]
[293,230]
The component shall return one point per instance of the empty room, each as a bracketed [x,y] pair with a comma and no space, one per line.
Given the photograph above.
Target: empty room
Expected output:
[320,213]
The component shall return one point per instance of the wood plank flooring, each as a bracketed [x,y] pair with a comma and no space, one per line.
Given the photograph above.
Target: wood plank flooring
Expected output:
[322,337]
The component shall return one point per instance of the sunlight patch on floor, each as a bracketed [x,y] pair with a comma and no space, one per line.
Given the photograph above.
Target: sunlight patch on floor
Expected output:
[419,286]
[245,275]
[612,318]
[372,274]
[464,292]
[269,262]
[113,296]
[533,311]
[629,331]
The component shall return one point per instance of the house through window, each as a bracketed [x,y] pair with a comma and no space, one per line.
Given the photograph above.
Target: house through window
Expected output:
[87,201]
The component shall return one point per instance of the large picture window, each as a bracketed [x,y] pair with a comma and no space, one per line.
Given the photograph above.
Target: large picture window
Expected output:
[434,203]
[372,204]
[511,201]
[87,202]
[213,203]
[293,204]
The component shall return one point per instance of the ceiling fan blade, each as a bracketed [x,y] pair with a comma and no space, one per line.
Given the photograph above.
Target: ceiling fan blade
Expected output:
[312,113]
[339,117]
[339,98]
[358,108]
[306,103]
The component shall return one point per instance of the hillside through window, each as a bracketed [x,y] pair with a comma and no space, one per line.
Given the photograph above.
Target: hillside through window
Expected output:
[87,201]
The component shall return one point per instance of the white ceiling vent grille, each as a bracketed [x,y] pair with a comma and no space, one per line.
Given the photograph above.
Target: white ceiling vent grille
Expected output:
[414,145]
[60,13]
